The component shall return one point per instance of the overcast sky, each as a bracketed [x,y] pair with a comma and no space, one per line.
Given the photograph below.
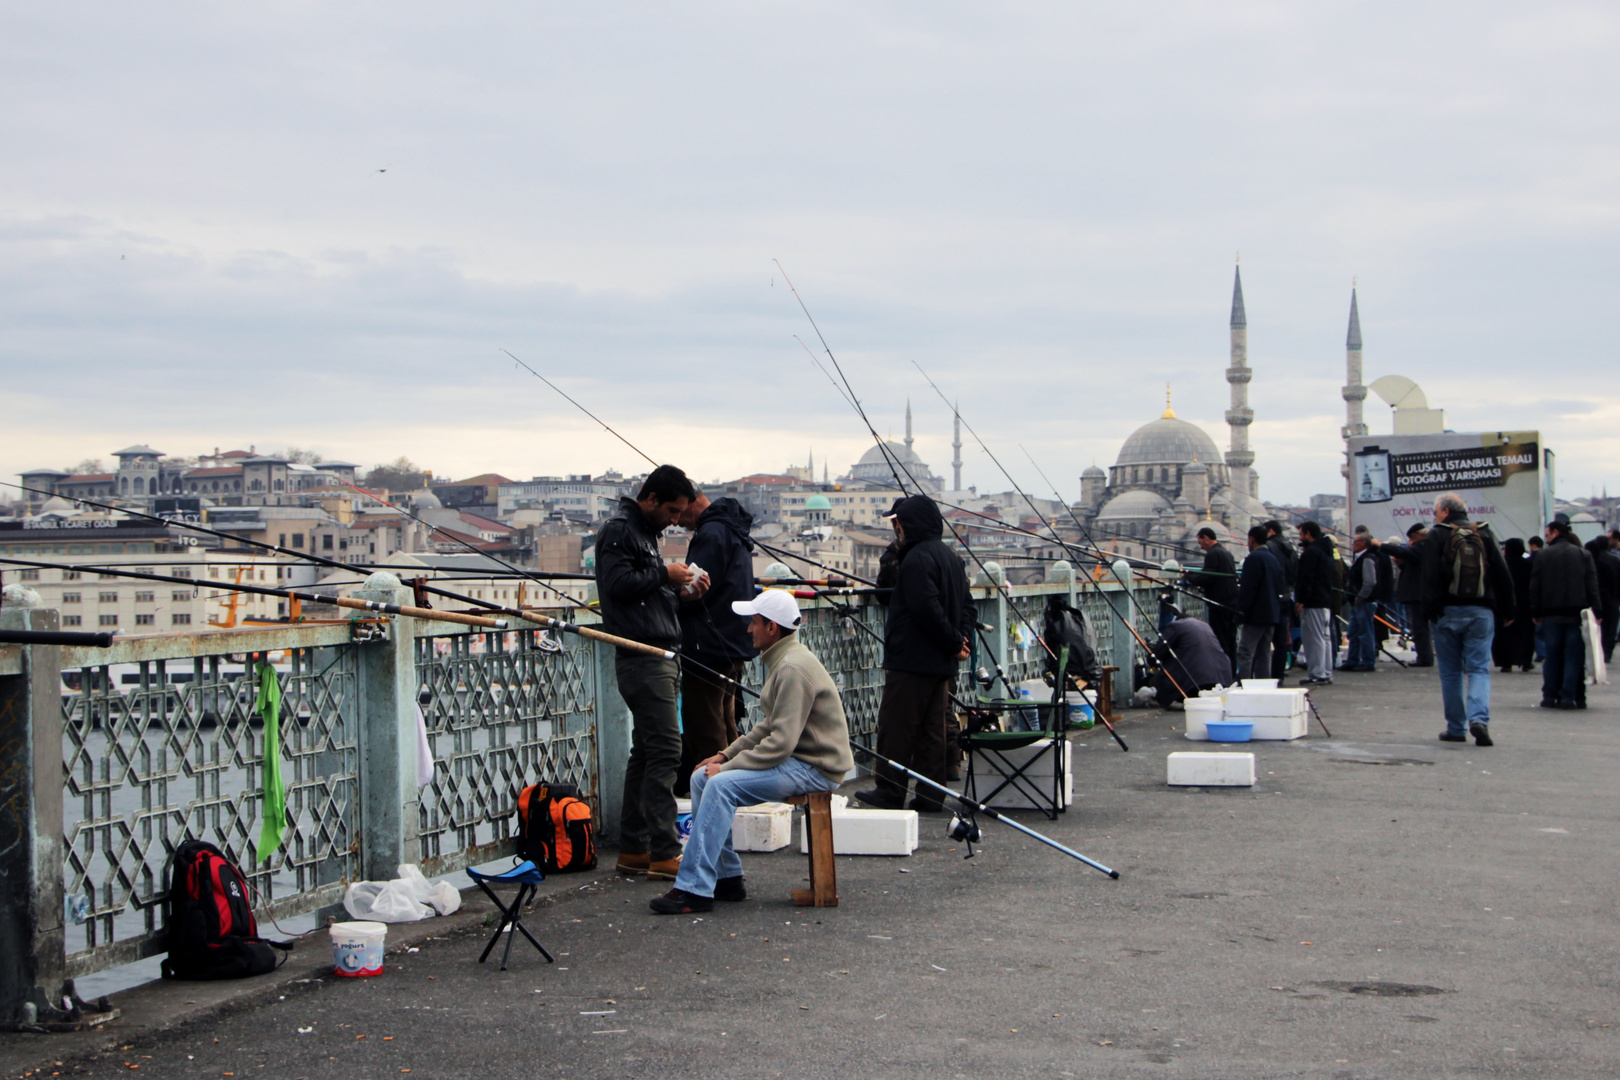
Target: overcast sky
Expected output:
[319,224]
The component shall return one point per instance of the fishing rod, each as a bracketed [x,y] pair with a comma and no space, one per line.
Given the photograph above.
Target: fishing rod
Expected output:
[581,408]
[1129,625]
[56,637]
[300,595]
[895,468]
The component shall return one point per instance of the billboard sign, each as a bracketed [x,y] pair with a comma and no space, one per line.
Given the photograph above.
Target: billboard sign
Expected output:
[1500,474]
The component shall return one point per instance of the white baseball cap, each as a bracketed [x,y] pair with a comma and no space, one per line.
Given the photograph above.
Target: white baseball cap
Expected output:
[777,605]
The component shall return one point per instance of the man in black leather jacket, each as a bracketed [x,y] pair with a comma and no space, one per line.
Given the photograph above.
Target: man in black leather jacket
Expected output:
[931,618]
[638,594]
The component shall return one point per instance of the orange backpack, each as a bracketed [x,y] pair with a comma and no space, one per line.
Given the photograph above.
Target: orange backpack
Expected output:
[554,828]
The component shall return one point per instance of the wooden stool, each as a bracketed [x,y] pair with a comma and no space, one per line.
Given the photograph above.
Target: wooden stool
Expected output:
[823,890]
[1105,695]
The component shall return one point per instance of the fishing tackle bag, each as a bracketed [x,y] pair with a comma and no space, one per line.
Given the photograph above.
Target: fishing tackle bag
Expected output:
[212,931]
[1067,626]
[554,828]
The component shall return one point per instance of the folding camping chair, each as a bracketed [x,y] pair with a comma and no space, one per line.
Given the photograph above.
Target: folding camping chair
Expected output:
[987,751]
[527,877]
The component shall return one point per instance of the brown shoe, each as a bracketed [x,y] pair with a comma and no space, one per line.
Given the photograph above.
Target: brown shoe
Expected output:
[633,862]
[664,869]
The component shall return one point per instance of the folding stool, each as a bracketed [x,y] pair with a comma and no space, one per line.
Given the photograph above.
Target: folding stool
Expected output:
[527,877]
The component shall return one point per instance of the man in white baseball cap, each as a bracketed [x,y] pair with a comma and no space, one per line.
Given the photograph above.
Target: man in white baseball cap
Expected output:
[801,745]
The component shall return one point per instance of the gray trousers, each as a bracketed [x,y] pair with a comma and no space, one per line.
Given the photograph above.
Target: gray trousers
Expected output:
[650,685]
[1254,651]
[1316,628]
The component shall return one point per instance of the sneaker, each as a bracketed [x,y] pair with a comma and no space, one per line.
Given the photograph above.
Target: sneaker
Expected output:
[1546,703]
[1482,735]
[1566,704]
[680,902]
[1446,736]
[877,800]
[925,806]
[663,869]
[730,888]
[632,862]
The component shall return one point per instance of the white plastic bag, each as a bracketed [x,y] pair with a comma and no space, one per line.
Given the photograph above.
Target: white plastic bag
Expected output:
[407,898]
[383,901]
[443,897]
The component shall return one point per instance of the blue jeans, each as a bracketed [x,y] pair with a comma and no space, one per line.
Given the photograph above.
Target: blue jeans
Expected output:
[1363,650]
[1563,676]
[709,855]
[1462,649]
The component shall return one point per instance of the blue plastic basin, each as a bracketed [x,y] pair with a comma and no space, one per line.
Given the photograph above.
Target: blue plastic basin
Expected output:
[1229,730]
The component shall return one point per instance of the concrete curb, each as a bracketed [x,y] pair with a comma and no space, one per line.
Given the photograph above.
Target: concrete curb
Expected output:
[162,1005]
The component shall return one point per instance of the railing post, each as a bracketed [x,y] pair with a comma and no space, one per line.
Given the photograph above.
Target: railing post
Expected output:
[32,937]
[389,826]
[1124,640]
[612,722]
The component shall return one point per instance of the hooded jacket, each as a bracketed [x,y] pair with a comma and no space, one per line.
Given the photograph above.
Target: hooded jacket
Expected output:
[1287,557]
[637,600]
[710,631]
[1563,580]
[1314,586]
[930,610]
[1608,573]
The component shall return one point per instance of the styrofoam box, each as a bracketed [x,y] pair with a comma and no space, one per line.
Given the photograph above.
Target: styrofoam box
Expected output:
[1244,704]
[1276,727]
[869,832]
[1204,768]
[763,827]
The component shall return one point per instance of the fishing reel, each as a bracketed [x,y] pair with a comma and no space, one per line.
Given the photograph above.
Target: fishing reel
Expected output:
[963,829]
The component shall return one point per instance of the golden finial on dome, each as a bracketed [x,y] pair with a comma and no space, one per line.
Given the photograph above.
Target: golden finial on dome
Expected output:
[1169,413]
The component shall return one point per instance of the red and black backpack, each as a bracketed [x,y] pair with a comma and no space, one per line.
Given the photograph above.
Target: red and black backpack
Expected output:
[554,828]
[212,931]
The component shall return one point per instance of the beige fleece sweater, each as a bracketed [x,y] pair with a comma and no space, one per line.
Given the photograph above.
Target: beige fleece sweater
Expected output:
[804,717]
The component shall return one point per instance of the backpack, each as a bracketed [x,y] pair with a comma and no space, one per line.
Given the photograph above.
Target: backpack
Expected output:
[554,828]
[212,931]
[1066,626]
[1465,562]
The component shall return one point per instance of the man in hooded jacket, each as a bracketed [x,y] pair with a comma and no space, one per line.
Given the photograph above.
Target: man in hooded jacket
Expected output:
[931,619]
[711,636]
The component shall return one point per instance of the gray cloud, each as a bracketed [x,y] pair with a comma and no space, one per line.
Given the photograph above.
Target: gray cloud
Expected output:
[1039,204]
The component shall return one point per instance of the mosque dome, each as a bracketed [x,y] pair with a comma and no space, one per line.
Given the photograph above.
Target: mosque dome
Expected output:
[426,500]
[1093,473]
[56,505]
[818,502]
[1136,505]
[875,455]
[1168,440]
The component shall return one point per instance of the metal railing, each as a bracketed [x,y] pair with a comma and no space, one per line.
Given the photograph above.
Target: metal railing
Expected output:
[160,742]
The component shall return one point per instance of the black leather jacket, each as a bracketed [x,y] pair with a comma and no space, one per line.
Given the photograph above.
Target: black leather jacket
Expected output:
[637,600]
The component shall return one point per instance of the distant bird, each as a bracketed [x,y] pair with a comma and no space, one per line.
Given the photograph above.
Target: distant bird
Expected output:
[382,170]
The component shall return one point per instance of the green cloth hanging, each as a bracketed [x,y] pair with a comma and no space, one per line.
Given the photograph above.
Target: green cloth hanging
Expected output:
[268,706]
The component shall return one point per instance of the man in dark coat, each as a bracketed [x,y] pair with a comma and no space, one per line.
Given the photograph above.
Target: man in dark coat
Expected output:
[1563,584]
[1314,602]
[1288,558]
[931,617]
[1258,607]
[1190,659]
[711,635]
[1409,590]
[1362,588]
[1466,585]
[1218,582]
[638,597]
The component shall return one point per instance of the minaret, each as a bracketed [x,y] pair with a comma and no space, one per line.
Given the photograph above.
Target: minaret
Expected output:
[1239,416]
[1354,392]
[956,444]
[908,430]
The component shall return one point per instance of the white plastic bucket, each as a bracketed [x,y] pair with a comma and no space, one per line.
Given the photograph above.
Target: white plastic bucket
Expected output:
[357,948]
[1199,712]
